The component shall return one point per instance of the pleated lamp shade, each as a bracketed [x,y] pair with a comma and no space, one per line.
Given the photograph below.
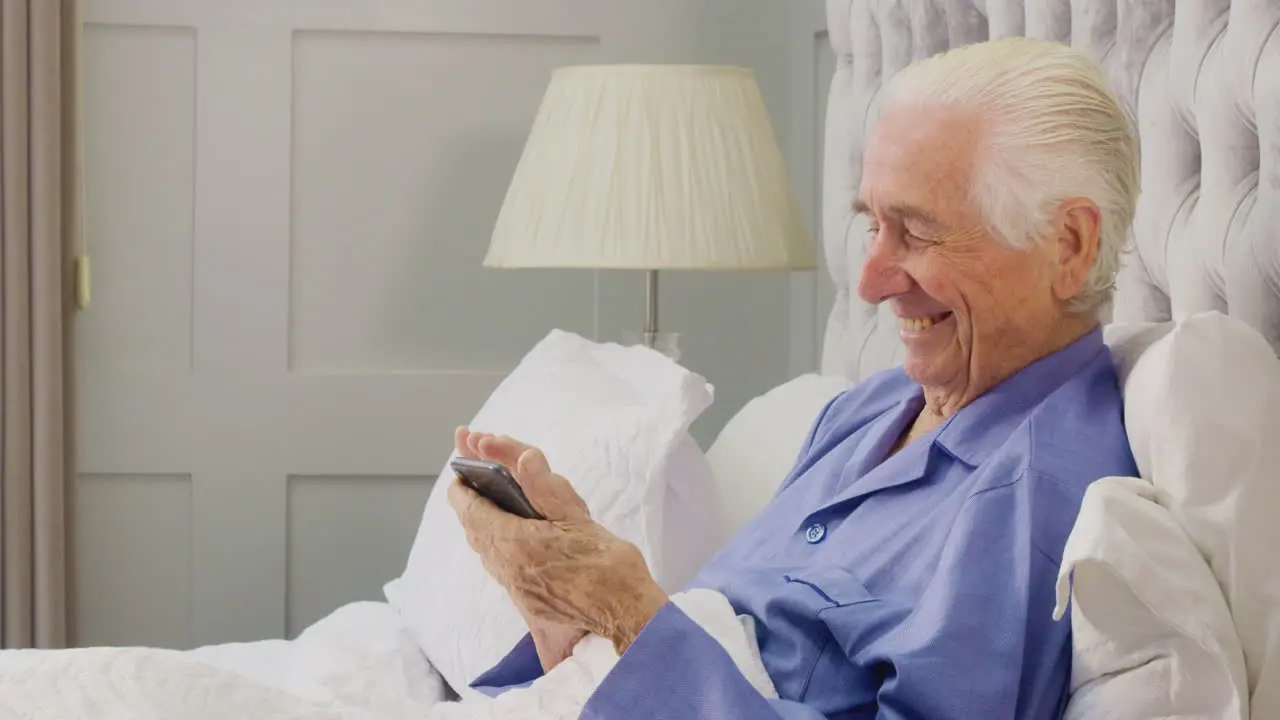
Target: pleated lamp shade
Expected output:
[651,167]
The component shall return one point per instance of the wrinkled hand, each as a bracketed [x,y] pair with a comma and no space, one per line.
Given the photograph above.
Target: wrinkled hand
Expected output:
[568,575]
[553,641]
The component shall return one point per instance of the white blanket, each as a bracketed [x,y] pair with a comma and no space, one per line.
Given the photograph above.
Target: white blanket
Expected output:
[144,683]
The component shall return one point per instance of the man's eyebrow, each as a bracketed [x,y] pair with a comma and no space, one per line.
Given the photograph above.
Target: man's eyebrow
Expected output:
[902,211]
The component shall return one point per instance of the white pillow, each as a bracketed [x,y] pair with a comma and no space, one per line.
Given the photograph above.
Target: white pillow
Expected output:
[1202,404]
[689,527]
[1202,409]
[758,447]
[1151,633]
[1128,341]
[613,420]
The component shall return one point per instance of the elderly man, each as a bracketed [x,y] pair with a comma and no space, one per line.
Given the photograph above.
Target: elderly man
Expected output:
[906,566]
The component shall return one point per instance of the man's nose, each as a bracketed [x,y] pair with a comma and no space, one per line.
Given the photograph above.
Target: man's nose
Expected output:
[882,274]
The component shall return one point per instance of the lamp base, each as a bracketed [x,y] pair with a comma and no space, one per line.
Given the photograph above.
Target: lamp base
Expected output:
[667,343]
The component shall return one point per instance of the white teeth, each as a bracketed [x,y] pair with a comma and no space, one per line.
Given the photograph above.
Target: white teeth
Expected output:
[916,324]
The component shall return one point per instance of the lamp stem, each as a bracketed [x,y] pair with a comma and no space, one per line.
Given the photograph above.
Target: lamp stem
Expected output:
[651,312]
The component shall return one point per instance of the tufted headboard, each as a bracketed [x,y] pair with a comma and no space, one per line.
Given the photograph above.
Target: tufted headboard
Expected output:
[1204,86]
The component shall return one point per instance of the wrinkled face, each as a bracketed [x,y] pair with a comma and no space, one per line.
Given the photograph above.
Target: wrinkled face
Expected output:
[969,305]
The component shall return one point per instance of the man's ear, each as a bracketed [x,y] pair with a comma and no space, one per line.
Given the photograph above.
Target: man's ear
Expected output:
[1079,236]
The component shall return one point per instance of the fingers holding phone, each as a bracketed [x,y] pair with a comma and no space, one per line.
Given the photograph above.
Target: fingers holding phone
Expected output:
[565,574]
[547,494]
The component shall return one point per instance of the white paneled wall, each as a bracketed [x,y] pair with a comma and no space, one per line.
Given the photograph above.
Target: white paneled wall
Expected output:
[812,64]
[288,202]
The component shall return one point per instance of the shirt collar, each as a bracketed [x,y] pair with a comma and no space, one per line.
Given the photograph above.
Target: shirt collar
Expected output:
[983,425]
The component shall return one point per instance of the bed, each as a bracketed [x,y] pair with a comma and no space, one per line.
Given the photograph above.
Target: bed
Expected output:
[1199,77]
[1200,83]
[1207,238]
[1174,598]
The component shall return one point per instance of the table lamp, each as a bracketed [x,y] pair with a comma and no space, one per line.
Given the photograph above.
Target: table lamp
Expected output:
[651,167]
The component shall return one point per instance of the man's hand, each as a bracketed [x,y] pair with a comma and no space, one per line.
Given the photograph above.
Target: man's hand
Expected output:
[553,641]
[568,571]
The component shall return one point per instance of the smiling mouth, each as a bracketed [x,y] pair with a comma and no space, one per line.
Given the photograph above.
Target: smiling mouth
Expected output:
[916,324]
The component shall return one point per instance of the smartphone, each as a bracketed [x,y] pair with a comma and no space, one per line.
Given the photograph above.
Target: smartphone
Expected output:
[495,483]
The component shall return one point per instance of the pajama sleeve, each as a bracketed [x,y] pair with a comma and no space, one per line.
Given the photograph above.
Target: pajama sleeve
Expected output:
[674,669]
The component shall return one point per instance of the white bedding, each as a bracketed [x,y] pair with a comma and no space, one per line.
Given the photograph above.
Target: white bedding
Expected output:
[330,672]
[357,662]
[359,656]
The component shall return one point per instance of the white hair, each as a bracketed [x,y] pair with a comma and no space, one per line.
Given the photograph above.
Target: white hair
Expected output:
[1054,131]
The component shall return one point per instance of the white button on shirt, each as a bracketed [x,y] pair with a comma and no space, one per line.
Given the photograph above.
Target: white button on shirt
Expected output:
[815,533]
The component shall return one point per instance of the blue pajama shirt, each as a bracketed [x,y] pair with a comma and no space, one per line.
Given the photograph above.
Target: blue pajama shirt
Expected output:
[914,586]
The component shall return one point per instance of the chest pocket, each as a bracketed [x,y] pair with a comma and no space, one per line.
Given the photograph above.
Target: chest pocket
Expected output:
[849,670]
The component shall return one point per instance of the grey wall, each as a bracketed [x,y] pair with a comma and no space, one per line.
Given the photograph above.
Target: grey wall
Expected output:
[288,203]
